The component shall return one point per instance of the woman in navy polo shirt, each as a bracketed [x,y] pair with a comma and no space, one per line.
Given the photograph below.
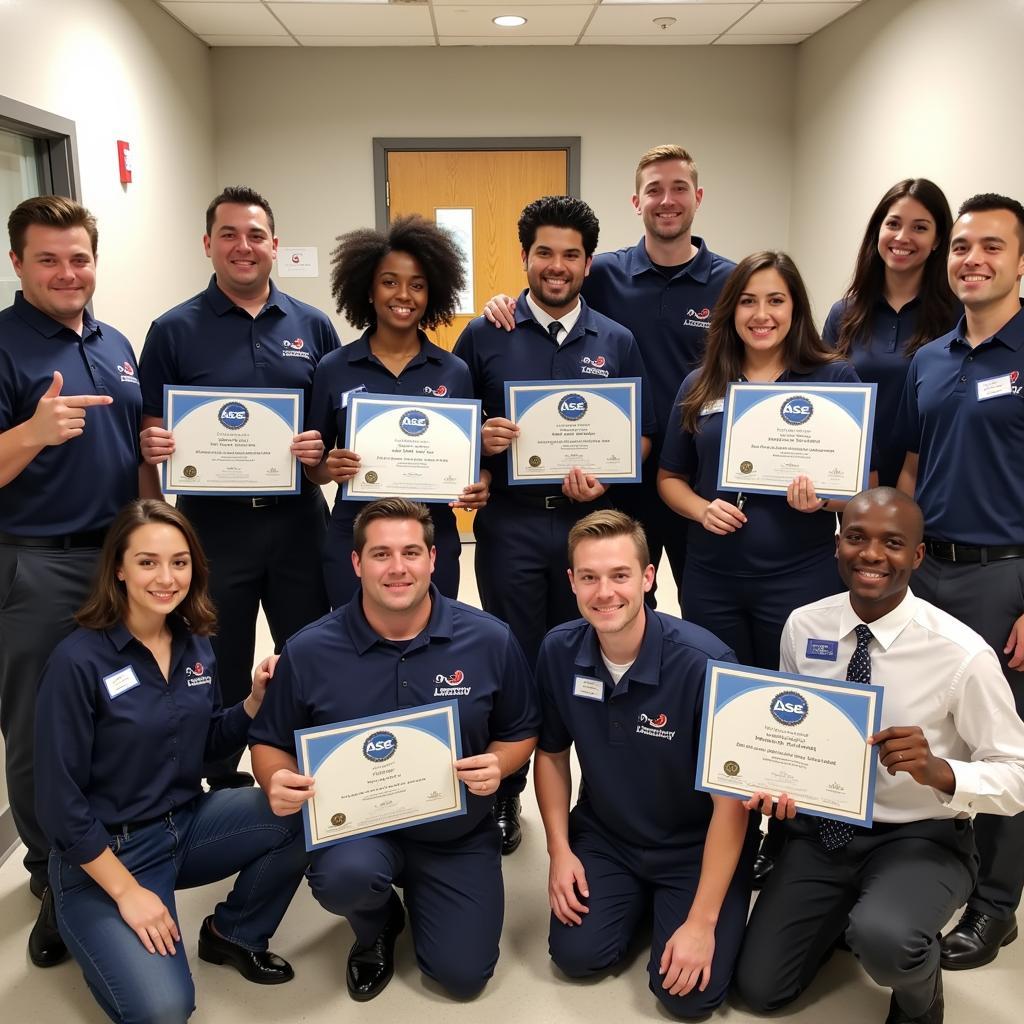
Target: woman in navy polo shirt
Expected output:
[899,300]
[392,284]
[748,567]
[128,708]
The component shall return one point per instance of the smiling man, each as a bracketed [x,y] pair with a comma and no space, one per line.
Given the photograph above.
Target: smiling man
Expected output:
[400,644]
[521,533]
[950,746]
[626,685]
[963,411]
[242,331]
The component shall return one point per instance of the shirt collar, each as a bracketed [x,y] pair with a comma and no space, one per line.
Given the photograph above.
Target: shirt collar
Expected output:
[886,629]
[221,304]
[699,268]
[583,323]
[1011,334]
[120,636]
[645,669]
[545,319]
[46,325]
[359,350]
[363,636]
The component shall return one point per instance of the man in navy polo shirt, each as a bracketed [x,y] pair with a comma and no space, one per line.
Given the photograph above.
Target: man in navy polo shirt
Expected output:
[400,644]
[663,289]
[243,332]
[963,411]
[70,414]
[626,684]
[521,533]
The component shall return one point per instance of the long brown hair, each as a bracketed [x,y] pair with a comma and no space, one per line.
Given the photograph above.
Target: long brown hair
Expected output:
[803,348]
[107,604]
[938,304]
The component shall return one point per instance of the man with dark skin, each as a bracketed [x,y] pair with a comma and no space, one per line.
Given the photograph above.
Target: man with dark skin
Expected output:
[891,887]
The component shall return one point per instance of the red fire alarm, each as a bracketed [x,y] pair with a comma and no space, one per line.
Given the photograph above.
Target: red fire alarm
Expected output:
[124,162]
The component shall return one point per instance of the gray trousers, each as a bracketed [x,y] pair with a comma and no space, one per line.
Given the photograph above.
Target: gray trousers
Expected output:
[40,590]
[988,598]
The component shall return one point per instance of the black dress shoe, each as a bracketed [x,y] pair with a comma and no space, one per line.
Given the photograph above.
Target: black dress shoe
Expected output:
[976,940]
[231,780]
[506,814]
[370,967]
[45,946]
[263,968]
[37,886]
[933,1015]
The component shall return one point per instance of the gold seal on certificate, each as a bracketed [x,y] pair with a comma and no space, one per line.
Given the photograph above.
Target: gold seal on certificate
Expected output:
[777,733]
[381,773]
[232,440]
[773,432]
[567,423]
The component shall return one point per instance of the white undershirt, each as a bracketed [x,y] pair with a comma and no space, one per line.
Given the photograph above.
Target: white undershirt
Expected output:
[614,670]
[567,320]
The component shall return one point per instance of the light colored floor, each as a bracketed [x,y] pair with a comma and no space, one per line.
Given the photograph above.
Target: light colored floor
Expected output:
[525,986]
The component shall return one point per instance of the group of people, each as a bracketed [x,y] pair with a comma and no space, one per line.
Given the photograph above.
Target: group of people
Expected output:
[154,691]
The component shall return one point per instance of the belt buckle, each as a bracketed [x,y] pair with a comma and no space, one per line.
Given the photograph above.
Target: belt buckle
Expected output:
[262,501]
[549,498]
[952,551]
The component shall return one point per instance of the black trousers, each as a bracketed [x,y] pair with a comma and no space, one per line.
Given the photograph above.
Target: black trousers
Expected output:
[40,591]
[271,556]
[896,888]
[988,598]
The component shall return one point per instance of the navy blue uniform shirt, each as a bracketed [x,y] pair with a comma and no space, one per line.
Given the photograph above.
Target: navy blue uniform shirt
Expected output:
[776,538]
[338,668]
[208,341]
[596,347]
[638,746]
[122,743]
[969,484]
[79,485]
[668,316]
[881,358]
[433,372]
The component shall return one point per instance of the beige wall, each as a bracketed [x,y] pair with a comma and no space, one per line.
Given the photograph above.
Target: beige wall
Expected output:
[124,70]
[898,89]
[298,125]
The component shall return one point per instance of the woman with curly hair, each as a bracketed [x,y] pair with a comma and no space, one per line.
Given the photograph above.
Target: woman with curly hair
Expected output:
[390,283]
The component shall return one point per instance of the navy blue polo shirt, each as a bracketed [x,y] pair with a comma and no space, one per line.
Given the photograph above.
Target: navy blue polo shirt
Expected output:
[668,316]
[881,358]
[122,743]
[596,347]
[433,372]
[776,538]
[969,485]
[638,745]
[79,485]
[338,668]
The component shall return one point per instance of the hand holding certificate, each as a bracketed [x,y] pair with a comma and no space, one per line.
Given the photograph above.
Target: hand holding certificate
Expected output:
[772,732]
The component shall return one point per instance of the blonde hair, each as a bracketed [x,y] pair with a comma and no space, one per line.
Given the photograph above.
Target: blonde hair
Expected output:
[659,153]
[607,523]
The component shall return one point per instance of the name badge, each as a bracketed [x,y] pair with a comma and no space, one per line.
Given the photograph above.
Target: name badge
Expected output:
[710,408]
[823,650]
[345,395]
[121,681]
[589,689]
[995,387]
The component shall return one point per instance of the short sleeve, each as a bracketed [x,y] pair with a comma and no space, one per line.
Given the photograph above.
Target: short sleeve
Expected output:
[156,368]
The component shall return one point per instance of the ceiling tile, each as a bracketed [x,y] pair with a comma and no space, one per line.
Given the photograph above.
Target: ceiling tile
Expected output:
[426,39]
[735,39]
[307,19]
[512,7]
[552,20]
[248,40]
[661,39]
[636,19]
[790,18]
[251,19]
[521,41]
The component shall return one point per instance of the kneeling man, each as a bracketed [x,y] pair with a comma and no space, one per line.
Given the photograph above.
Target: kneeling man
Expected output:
[399,644]
[951,746]
[626,685]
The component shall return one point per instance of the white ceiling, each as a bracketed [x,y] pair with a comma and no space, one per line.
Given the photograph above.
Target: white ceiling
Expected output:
[468,22]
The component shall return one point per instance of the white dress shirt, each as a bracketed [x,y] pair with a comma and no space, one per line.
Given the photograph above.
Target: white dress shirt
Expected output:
[938,674]
[567,320]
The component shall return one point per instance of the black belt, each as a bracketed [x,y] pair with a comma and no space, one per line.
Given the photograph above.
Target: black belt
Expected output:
[548,502]
[64,541]
[135,826]
[252,501]
[951,552]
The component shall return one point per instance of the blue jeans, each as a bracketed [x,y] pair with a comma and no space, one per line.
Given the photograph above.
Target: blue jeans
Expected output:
[208,839]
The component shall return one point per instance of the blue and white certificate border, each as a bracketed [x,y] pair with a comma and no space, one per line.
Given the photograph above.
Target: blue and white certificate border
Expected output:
[743,679]
[314,744]
[623,392]
[464,413]
[179,402]
[857,400]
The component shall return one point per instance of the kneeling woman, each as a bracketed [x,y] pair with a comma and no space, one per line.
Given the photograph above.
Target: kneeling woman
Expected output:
[128,709]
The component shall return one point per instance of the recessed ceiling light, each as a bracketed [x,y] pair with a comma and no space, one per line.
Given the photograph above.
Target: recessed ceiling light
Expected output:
[509,21]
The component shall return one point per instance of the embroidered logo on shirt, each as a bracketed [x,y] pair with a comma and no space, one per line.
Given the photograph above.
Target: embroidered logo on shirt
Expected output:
[698,318]
[127,372]
[1014,374]
[439,392]
[295,349]
[451,686]
[647,725]
[593,366]
[196,675]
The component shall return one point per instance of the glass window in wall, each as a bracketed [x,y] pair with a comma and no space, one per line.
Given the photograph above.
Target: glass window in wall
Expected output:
[20,178]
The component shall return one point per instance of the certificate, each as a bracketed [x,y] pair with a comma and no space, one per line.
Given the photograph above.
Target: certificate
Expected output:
[425,449]
[593,425]
[779,733]
[772,432]
[380,773]
[232,440]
